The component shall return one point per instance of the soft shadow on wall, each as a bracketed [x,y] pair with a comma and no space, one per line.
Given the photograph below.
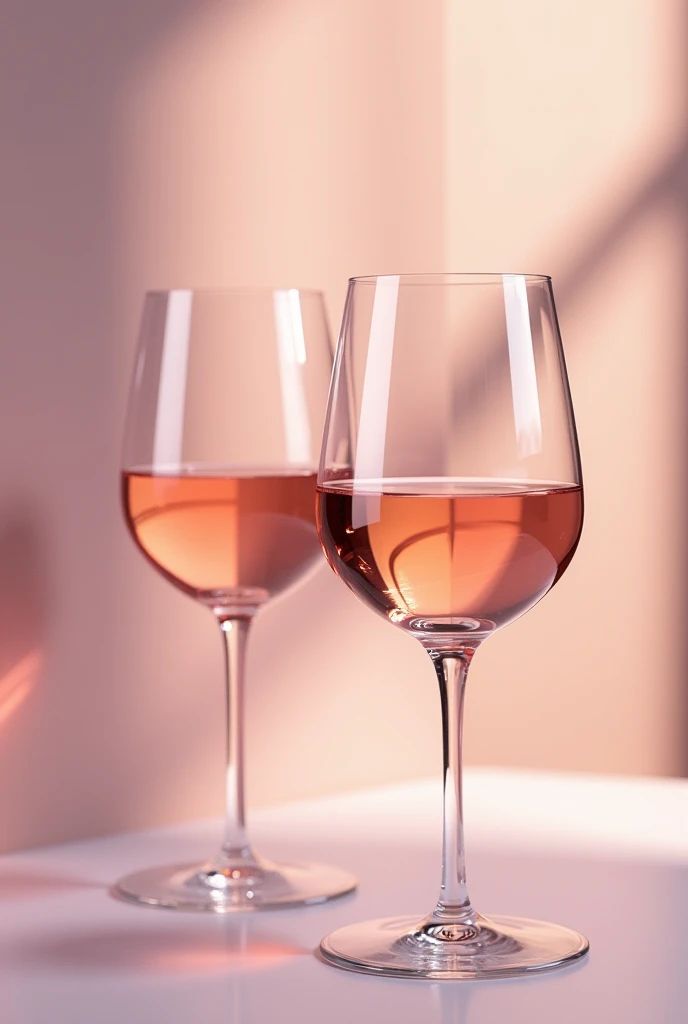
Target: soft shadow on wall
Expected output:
[662,195]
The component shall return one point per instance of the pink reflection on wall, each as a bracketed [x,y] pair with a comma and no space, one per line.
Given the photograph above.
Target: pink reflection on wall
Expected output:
[18,682]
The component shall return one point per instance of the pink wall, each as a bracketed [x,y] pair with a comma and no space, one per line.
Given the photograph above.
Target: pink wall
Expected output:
[568,151]
[181,143]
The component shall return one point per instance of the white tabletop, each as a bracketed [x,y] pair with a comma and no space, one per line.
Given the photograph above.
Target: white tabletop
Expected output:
[608,857]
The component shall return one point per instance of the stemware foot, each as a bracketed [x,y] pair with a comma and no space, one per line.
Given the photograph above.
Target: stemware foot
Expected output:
[244,888]
[488,948]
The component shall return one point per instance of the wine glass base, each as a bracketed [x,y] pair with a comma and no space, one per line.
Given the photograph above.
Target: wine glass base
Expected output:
[262,886]
[500,947]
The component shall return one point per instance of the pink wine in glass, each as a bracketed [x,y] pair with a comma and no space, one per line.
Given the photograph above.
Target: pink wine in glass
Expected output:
[222,536]
[449,555]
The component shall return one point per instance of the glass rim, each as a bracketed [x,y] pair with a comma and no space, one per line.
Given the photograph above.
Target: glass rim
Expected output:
[450,277]
[229,290]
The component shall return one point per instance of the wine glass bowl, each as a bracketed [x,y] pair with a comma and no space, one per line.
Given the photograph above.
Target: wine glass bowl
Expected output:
[218,488]
[439,557]
[450,501]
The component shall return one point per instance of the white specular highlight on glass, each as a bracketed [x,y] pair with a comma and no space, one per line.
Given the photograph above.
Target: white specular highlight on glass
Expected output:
[169,419]
[524,389]
[292,356]
[370,444]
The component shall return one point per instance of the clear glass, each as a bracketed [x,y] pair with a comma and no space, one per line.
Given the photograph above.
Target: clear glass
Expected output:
[218,487]
[450,501]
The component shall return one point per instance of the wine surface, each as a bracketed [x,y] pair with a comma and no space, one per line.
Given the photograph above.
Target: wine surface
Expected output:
[449,555]
[220,537]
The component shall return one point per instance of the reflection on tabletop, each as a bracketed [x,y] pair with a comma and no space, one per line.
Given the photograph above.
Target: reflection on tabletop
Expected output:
[232,946]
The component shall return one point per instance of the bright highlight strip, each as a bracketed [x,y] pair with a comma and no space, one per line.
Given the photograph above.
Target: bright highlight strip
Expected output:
[524,391]
[169,420]
[291,346]
[372,427]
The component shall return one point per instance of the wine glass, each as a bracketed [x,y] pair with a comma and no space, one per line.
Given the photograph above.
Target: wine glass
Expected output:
[450,501]
[218,486]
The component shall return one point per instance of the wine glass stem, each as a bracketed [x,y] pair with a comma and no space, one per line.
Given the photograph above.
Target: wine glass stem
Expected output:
[235,634]
[454,904]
